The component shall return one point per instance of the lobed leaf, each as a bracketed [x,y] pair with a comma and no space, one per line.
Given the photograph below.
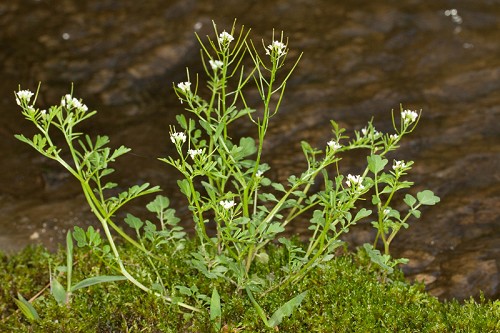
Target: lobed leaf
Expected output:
[410,200]
[286,309]
[427,197]
[376,163]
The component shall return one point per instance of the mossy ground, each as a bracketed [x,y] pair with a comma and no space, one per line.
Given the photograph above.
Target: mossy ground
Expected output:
[343,296]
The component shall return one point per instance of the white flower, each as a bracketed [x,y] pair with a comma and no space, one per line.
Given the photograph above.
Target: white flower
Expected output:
[67,101]
[259,173]
[70,102]
[216,64]
[355,181]
[334,145]
[79,105]
[393,137]
[277,48]
[451,12]
[365,132]
[194,152]
[398,165]
[409,116]
[184,86]
[227,204]
[225,37]
[23,96]
[178,137]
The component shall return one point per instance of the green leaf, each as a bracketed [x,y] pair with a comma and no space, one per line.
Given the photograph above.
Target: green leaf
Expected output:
[427,197]
[96,280]
[211,191]
[278,187]
[215,309]
[158,205]
[300,194]
[268,197]
[257,307]
[93,236]
[118,152]
[57,291]
[181,119]
[24,139]
[275,228]
[247,146]
[306,147]
[80,236]
[243,112]
[416,213]
[286,310]
[100,141]
[363,212]
[262,258]
[109,185]
[376,163]
[377,258]
[318,217]
[184,187]
[265,181]
[184,290]
[133,222]
[26,308]
[410,200]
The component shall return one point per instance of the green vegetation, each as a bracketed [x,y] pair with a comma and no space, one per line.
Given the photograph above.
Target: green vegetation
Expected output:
[343,296]
[239,272]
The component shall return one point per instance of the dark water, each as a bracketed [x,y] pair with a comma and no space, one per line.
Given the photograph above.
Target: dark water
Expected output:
[361,59]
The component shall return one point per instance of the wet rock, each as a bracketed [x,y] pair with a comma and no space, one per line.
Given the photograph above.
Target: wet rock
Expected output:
[474,270]
[419,260]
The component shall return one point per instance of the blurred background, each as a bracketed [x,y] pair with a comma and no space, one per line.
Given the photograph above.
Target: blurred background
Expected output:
[361,60]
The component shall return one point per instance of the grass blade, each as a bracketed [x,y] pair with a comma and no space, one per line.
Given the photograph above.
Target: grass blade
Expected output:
[26,308]
[257,307]
[57,290]
[215,310]
[96,280]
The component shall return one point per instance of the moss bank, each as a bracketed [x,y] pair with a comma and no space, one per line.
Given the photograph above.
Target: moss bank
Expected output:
[343,296]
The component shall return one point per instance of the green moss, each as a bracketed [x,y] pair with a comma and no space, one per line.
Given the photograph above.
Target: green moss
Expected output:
[343,296]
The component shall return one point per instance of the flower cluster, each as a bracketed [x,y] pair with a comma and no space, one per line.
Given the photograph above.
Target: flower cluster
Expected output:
[276,49]
[393,137]
[70,102]
[178,137]
[334,145]
[225,38]
[184,86]
[23,96]
[370,134]
[216,64]
[399,165]
[227,204]
[194,152]
[355,181]
[409,116]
